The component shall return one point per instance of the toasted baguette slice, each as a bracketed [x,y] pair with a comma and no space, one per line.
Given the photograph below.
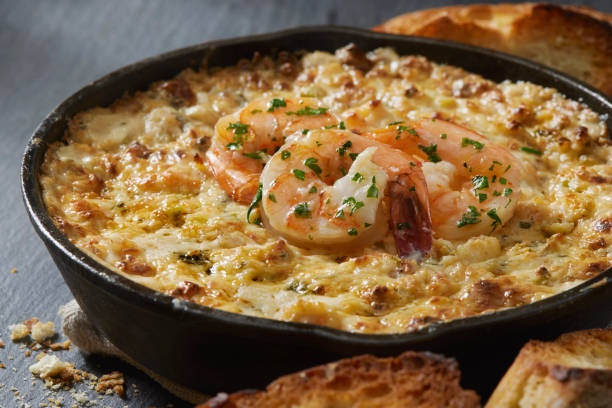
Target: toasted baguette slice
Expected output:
[410,380]
[573,371]
[573,39]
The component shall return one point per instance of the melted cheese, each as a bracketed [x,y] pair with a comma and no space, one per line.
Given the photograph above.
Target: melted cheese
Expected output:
[128,184]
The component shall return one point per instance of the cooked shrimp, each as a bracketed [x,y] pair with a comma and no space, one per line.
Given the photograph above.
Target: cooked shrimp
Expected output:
[337,190]
[244,140]
[473,184]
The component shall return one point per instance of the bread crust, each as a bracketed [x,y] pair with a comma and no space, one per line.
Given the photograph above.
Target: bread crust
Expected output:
[573,371]
[574,39]
[410,380]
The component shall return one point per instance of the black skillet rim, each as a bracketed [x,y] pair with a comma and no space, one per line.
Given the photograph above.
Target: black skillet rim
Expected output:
[146,297]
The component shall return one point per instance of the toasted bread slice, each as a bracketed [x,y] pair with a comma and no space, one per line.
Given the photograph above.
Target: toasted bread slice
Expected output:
[573,39]
[410,380]
[573,371]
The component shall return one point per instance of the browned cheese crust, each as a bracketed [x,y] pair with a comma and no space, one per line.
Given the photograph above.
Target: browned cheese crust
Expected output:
[410,380]
[573,371]
[576,40]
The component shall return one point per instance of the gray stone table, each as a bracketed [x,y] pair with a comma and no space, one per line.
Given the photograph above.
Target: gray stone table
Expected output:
[50,49]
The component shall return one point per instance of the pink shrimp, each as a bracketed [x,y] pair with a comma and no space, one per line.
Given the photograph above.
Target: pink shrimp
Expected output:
[473,184]
[244,140]
[336,190]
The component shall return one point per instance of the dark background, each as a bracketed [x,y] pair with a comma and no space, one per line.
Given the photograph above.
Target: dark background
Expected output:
[50,49]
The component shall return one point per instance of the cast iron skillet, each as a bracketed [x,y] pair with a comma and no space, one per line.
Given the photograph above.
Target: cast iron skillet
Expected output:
[212,350]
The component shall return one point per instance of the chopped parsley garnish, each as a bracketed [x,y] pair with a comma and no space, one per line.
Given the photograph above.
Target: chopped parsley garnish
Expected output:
[311,163]
[318,143]
[305,131]
[239,128]
[413,188]
[467,141]
[524,224]
[357,177]
[467,167]
[354,203]
[272,198]
[342,170]
[531,150]
[356,206]
[480,182]
[412,164]
[254,111]
[308,111]
[402,128]
[255,202]
[277,103]
[493,178]
[469,217]
[396,123]
[254,155]
[298,174]
[492,213]
[502,180]
[285,155]
[430,151]
[353,156]
[496,193]
[329,126]
[373,190]
[507,168]
[302,211]
[341,125]
[507,192]
[339,214]
[481,197]
[352,231]
[312,190]
[443,136]
[403,225]
[341,150]
[413,132]
[367,224]
[493,165]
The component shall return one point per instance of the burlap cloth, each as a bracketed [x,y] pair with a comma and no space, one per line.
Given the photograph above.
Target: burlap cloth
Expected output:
[87,338]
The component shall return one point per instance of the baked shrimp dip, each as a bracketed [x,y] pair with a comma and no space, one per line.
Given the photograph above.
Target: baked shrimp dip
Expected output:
[369,192]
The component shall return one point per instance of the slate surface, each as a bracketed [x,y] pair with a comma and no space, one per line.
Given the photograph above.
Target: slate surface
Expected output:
[48,50]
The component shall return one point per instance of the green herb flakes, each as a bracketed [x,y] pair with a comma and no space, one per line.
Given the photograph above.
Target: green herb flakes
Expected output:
[531,150]
[430,151]
[254,203]
[298,174]
[302,211]
[277,103]
[472,216]
[373,189]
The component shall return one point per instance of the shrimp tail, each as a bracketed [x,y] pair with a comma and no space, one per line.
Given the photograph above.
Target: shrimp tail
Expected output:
[410,219]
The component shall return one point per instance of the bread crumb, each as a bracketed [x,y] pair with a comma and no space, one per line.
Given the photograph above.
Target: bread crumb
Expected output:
[80,397]
[1,344]
[112,382]
[42,331]
[18,331]
[48,366]
[2,365]
[14,271]
[60,346]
